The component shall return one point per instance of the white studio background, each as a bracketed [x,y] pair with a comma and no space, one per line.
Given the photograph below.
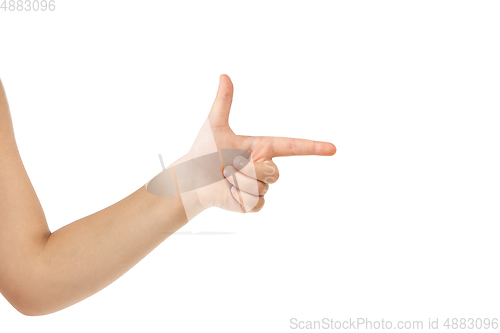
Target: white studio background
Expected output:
[401,224]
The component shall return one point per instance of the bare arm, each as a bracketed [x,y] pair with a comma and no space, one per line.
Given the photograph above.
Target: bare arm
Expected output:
[43,272]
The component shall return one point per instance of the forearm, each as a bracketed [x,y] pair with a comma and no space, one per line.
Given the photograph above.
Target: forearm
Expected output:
[87,255]
[42,272]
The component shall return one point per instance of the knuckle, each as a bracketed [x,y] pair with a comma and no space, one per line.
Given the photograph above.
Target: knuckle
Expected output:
[271,172]
[261,203]
[277,176]
[293,147]
[272,179]
[263,188]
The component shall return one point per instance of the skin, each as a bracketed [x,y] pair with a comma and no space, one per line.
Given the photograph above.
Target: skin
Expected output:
[43,272]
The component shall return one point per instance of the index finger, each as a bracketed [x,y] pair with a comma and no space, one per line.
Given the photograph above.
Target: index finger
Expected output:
[292,147]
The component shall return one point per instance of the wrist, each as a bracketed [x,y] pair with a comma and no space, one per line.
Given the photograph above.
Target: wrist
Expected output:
[194,201]
[204,198]
[192,204]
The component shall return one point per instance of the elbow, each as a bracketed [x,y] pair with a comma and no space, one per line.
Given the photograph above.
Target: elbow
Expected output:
[27,307]
[32,310]
[28,311]
[27,301]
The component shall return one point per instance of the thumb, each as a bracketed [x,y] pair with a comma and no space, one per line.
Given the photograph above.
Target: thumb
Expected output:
[219,114]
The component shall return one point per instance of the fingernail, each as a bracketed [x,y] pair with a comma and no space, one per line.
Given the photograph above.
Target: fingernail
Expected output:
[226,172]
[233,190]
[239,162]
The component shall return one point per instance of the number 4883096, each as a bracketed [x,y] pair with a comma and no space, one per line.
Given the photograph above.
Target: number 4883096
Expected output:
[28,5]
